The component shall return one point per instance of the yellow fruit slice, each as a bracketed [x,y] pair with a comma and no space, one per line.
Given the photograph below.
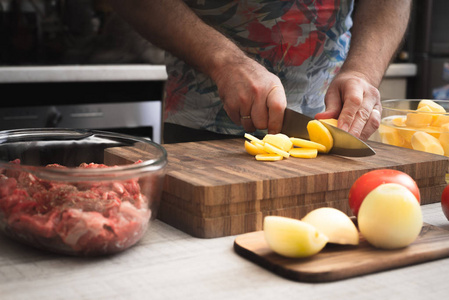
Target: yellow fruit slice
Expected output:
[433,106]
[253,149]
[332,121]
[304,152]
[421,118]
[275,150]
[279,140]
[292,238]
[254,139]
[423,141]
[318,133]
[334,224]
[298,142]
[269,157]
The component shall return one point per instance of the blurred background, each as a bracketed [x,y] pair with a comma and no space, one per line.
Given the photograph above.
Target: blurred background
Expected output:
[74,63]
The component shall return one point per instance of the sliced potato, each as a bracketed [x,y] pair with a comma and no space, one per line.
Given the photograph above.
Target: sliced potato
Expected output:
[254,139]
[399,121]
[269,157]
[304,152]
[433,106]
[444,138]
[303,143]
[318,133]
[439,120]
[275,150]
[421,118]
[254,149]
[423,141]
[332,121]
[279,140]
[390,136]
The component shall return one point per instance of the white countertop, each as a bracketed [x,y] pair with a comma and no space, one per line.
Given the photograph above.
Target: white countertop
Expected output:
[169,264]
[401,70]
[74,73]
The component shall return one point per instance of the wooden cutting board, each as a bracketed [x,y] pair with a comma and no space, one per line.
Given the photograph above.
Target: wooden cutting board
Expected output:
[336,262]
[221,172]
[215,188]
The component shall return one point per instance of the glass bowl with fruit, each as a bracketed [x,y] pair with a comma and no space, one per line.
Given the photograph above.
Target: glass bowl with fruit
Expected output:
[416,124]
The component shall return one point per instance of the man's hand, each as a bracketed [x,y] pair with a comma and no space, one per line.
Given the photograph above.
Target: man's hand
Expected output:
[252,96]
[353,97]
[355,103]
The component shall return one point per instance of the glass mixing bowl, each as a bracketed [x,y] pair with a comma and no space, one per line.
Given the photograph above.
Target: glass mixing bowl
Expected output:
[406,123]
[78,192]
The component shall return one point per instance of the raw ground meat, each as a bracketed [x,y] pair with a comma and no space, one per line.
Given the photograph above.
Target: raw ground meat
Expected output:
[83,218]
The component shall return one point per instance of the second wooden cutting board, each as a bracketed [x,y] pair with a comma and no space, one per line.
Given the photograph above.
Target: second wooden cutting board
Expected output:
[338,262]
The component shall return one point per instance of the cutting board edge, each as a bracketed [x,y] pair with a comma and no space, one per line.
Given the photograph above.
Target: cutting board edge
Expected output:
[207,195]
[326,277]
[310,277]
[429,195]
[435,164]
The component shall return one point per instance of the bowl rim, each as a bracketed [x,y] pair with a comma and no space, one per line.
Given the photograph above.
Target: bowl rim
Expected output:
[83,174]
[386,101]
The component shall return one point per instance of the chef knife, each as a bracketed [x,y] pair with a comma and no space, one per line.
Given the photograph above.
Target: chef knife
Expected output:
[345,144]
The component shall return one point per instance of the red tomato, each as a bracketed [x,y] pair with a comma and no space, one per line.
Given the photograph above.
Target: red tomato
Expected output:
[445,201]
[370,180]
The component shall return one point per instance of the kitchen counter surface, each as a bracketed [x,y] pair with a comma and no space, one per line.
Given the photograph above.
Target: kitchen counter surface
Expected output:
[169,264]
[74,73]
[401,70]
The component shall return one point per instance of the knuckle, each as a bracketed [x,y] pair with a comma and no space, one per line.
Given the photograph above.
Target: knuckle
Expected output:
[355,100]
[364,114]
[375,123]
[277,106]
[374,92]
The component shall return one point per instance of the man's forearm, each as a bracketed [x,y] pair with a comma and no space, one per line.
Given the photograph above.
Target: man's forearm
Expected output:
[174,27]
[378,30]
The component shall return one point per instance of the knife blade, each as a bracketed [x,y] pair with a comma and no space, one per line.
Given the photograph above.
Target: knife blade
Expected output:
[345,144]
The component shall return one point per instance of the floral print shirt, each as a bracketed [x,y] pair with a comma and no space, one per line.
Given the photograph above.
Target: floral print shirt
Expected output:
[303,42]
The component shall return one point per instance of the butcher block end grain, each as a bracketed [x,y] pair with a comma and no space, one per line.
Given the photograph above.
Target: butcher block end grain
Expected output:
[215,188]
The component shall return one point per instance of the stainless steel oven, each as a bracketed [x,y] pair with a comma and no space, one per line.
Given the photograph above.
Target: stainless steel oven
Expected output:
[75,64]
[123,98]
